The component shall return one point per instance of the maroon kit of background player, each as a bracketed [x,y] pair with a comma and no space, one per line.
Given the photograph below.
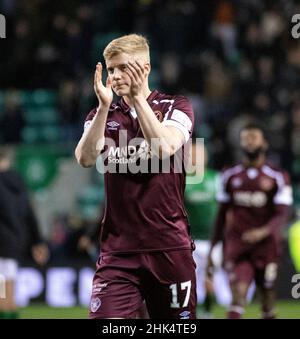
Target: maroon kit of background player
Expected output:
[253,197]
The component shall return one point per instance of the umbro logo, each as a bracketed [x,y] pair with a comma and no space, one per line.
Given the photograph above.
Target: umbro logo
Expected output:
[112,125]
[185,315]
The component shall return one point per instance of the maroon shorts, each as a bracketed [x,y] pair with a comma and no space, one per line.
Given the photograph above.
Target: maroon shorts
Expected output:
[246,270]
[165,280]
[258,262]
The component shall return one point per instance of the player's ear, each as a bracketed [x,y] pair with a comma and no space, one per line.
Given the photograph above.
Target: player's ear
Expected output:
[266,145]
[147,66]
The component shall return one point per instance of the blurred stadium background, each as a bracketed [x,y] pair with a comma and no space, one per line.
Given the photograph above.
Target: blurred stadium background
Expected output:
[235,60]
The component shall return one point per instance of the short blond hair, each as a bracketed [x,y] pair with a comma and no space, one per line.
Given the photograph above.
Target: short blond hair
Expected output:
[130,44]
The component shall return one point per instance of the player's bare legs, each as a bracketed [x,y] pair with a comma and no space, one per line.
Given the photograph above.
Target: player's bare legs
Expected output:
[8,305]
[143,312]
[239,293]
[267,297]
[209,296]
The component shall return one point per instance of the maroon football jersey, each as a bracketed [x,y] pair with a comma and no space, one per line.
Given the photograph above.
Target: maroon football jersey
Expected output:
[144,211]
[254,197]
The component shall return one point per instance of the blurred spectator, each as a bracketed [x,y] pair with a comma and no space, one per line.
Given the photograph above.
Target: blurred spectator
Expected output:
[19,233]
[69,106]
[224,28]
[73,238]
[12,121]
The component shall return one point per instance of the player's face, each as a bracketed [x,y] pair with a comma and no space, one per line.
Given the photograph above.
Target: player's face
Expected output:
[252,140]
[116,67]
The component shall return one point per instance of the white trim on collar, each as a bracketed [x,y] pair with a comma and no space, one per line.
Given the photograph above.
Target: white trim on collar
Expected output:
[133,112]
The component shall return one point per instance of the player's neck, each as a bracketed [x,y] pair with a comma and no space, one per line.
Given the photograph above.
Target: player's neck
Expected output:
[145,92]
[256,163]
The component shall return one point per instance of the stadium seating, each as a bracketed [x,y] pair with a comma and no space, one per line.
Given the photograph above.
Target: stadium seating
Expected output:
[41,116]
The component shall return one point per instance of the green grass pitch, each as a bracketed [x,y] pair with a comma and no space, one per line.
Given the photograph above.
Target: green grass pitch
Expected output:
[285,310]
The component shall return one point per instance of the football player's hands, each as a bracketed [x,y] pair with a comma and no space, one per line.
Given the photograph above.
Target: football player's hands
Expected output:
[104,93]
[137,74]
[84,243]
[256,235]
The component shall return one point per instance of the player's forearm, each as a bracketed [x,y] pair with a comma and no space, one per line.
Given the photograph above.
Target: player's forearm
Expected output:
[162,141]
[92,141]
[218,231]
[32,224]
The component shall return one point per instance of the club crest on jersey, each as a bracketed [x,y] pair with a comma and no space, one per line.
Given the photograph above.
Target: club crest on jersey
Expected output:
[112,125]
[159,115]
[266,184]
[144,151]
[236,182]
[95,304]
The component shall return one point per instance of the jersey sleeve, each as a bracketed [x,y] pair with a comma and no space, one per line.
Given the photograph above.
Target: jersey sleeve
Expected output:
[89,119]
[181,116]
[284,194]
[220,221]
